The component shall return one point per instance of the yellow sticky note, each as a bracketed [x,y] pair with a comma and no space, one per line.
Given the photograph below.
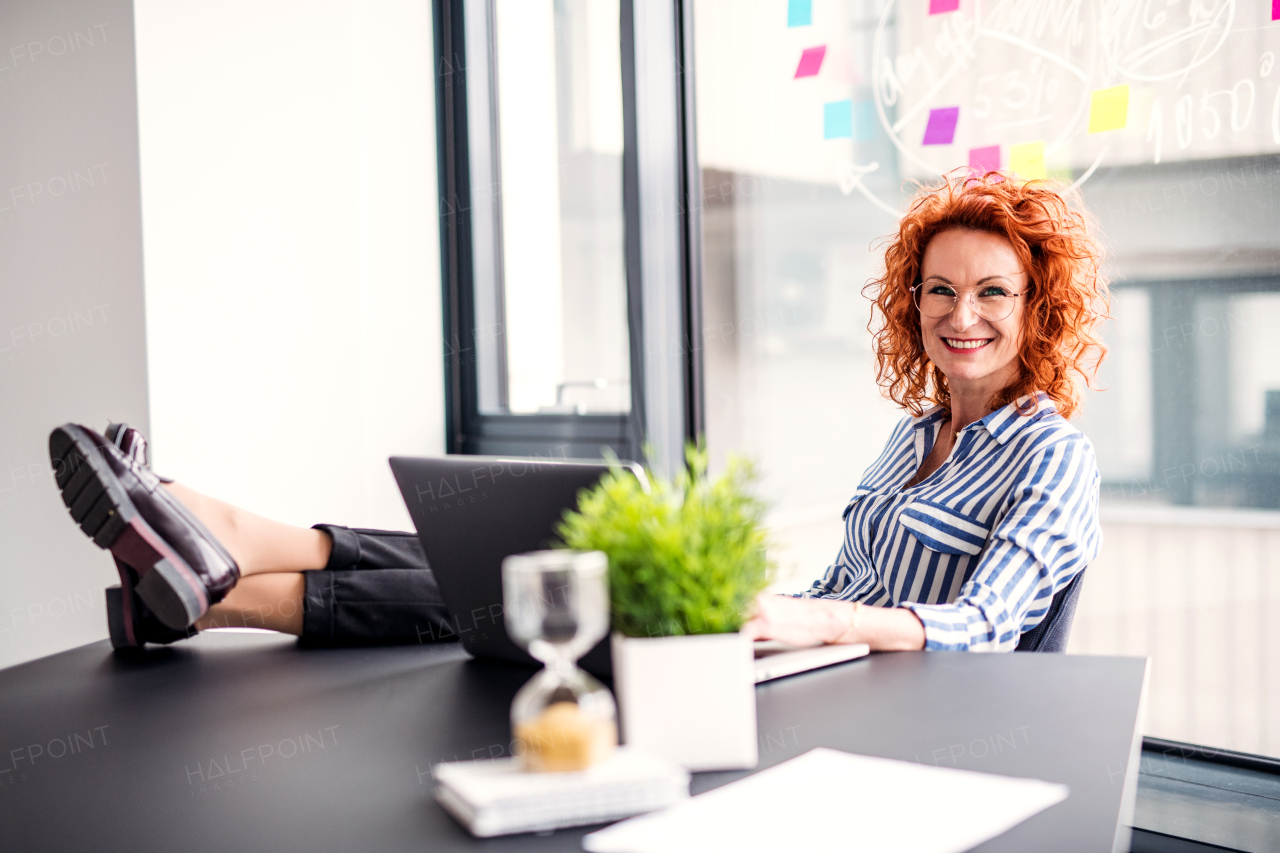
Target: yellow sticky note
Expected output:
[1109,108]
[1027,160]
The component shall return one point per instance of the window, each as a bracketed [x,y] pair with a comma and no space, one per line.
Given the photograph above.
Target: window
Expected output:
[813,117]
[539,339]
[569,290]
[551,272]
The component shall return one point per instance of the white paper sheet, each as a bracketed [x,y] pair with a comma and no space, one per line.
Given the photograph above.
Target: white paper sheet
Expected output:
[830,800]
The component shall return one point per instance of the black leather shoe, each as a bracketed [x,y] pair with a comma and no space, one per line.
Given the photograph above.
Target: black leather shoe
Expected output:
[132,443]
[181,567]
[131,622]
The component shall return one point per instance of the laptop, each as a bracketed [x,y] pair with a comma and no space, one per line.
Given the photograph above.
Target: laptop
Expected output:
[471,512]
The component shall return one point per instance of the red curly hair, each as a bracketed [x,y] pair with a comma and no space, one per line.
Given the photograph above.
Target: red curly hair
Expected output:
[1067,294]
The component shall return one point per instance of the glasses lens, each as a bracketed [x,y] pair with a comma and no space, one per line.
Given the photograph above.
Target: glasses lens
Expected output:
[934,301]
[994,304]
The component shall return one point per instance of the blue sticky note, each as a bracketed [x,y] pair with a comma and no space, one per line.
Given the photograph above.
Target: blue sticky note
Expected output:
[837,120]
[799,13]
[848,120]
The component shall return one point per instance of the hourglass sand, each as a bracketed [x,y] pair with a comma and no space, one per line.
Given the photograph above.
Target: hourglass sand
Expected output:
[556,605]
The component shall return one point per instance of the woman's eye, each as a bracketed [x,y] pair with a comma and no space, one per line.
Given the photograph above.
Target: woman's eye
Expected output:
[994,291]
[942,290]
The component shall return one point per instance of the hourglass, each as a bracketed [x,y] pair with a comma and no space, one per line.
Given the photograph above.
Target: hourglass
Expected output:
[556,605]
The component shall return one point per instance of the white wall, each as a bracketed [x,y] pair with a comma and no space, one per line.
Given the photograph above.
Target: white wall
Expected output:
[291,250]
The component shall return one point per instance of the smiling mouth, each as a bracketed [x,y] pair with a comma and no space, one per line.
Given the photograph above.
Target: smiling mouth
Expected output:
[971,344]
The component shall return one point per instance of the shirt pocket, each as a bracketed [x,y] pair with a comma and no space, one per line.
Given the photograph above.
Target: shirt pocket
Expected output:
[858,495]
[942,528]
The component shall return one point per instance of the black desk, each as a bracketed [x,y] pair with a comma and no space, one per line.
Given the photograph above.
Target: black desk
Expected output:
[246,742]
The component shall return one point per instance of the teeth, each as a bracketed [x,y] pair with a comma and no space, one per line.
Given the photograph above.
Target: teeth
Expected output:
[965,344]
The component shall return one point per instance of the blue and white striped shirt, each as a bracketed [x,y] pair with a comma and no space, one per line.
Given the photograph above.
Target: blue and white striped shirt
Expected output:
[978,549]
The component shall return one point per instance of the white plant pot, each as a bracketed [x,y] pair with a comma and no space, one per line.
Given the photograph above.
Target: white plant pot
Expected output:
[689,699]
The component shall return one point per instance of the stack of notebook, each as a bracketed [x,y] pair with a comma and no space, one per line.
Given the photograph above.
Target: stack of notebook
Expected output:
[496,797]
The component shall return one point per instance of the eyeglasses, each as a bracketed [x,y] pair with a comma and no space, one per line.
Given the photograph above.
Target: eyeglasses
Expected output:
[990,301]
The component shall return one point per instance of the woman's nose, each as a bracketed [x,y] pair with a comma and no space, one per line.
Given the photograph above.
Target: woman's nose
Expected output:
[963,314]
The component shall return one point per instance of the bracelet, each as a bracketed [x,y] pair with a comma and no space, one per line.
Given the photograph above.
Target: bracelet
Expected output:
[853,625]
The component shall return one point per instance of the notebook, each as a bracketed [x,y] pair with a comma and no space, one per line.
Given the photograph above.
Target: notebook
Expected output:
[496,797]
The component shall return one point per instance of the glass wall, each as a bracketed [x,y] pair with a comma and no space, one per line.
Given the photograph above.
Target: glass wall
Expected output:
[545,124]
[814,117]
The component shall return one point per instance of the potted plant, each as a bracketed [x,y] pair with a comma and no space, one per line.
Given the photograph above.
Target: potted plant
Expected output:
[686,560]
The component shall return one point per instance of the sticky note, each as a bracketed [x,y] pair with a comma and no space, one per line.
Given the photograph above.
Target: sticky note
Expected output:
[937,7]
[1027,160]
[837,119]
[1109,108]
[848,120]
[799,13]
[1275,10]
[941,129]
[985,159]
[810,61]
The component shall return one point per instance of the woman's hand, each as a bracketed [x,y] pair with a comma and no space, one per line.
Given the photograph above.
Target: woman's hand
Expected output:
[800,621]
[814,621]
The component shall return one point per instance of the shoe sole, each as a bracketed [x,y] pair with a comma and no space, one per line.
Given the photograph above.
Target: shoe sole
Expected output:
[98,502]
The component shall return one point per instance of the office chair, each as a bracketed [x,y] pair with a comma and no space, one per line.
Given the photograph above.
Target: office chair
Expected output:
[1052,633]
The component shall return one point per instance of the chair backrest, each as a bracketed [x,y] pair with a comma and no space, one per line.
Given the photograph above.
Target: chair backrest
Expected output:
[1054,630]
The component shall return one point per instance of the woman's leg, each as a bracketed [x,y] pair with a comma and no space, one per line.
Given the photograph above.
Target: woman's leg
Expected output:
[258,545]
[271,556]
[271,600]
[378,587]
[172,566]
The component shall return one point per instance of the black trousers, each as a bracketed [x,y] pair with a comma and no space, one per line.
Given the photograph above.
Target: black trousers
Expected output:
[377,589]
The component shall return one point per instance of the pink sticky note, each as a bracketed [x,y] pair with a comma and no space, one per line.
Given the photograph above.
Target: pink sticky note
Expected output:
[810,61]
[937,7]
[985,159]
[1275,10]
[941,129]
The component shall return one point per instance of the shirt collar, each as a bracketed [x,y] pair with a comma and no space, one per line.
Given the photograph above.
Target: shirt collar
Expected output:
[1004,423]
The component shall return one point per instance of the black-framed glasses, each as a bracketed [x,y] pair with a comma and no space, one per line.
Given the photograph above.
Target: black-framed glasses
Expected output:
[992,302]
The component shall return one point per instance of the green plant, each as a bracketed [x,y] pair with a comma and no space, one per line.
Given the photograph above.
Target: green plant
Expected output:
[685,557]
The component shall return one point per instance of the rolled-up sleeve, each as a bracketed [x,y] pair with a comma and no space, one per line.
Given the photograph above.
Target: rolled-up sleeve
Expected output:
[1046,534]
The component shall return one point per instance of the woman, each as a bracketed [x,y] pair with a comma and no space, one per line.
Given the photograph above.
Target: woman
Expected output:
[975,514]
[982,508]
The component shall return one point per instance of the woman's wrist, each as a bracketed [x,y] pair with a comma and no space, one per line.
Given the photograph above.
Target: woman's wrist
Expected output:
[884,629]
[845,623]
[893,629]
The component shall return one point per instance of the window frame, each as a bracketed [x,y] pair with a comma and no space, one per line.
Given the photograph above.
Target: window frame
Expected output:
[661,187]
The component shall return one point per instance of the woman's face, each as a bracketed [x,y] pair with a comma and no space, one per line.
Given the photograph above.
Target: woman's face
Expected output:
[977,354]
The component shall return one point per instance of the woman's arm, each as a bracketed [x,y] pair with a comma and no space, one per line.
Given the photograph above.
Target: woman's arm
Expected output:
[812,621]
[1048,533]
